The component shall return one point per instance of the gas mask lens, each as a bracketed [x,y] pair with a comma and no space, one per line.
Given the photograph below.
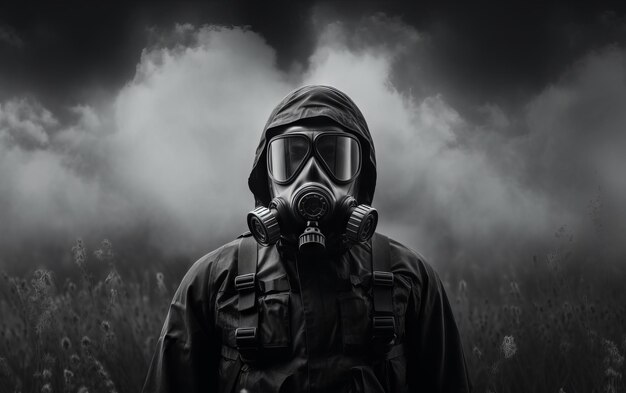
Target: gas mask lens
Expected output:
[340,155]
[285,156]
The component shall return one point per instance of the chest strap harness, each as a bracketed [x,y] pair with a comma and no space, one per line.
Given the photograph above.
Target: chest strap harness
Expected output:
[246,336]
[383,323]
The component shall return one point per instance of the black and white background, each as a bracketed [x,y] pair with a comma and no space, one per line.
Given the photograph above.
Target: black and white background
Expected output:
[500,130]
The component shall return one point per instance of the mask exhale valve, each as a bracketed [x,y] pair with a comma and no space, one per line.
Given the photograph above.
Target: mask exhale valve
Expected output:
[312,240]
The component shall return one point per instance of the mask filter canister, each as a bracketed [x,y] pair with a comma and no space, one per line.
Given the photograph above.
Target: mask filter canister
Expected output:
[361,224]
[264,226]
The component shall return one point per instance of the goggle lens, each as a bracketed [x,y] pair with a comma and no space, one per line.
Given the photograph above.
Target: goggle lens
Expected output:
[340,154]
[286,155]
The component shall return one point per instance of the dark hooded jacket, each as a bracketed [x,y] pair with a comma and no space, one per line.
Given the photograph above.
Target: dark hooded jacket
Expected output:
[315,316]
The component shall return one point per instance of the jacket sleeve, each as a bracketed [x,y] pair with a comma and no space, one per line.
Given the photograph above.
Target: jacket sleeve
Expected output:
[185,359]
[436,360]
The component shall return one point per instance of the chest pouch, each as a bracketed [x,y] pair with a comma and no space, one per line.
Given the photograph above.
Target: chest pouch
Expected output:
[263,305]
[364,329]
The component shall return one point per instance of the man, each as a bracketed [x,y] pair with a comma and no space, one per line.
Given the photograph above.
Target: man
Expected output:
[312,300]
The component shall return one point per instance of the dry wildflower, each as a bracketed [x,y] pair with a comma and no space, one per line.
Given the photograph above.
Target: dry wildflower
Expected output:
[42,280]
[105,326]
[110,385]
[68,376]
[44,321]
[100,369]
[477,352]
[82,389]
[508,347]
[105,252]
[109,340]
[568,311]
[613,362]
[160,279]
[113,279]
[102,373]
[113,297]
[74,360]
[515,289]
[613,357]
[85,342]
[495,367]
[565,346]
[516,313]
[48,359]
[47,388]
[5,370]
[66,344]
[561,390]
[41,298]
[611,373]
[46,373]
[75,318]
[592,335]
[567,308]
[79,253]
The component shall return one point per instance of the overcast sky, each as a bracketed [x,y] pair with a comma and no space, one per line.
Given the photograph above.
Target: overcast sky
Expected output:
[494,127]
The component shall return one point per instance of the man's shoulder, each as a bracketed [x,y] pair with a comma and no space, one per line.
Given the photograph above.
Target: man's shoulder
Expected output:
[402,255]
[409,263]
[217,262]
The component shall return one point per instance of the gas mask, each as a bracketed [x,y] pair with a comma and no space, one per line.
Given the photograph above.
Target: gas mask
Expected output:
[313,180]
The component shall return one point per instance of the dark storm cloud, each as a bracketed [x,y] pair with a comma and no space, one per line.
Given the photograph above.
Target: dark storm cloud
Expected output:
[479,52]
[167,153]
[474,52]
[76,51]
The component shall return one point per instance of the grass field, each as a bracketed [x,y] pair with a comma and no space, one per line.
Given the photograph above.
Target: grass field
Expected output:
[547,326]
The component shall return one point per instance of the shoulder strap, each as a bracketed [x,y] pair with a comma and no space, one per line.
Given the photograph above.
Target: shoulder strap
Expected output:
[246,336]
[384,327]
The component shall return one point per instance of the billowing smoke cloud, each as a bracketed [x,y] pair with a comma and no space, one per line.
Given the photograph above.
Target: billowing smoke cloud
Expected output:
[169,155]
[438,192]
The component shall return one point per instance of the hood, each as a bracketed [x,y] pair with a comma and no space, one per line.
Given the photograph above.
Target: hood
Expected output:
[313,102]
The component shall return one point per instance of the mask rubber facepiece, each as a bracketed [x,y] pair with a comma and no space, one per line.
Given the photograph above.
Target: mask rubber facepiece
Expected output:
[312,205]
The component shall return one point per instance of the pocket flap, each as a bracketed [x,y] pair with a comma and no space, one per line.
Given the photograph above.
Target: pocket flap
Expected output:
[274,320]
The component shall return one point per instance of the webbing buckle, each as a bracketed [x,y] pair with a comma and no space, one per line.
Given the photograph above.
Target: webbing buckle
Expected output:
[383,279]
[384,327]
[246,341]
[245,282]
